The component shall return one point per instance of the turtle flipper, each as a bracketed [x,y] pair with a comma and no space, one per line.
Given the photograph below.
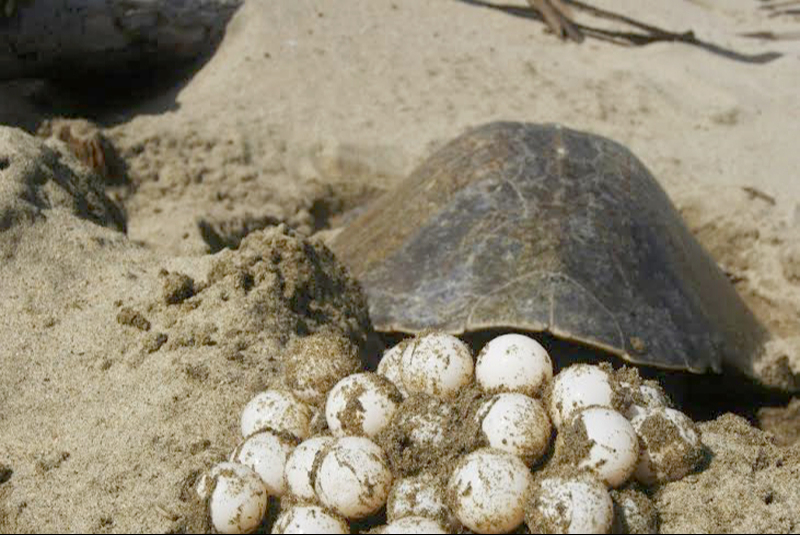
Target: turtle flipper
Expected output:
[558,17]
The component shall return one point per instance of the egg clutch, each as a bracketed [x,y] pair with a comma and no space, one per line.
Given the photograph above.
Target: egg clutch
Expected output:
[439,442]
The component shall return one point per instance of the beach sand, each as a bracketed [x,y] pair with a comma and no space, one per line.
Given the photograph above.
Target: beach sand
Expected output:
[125,359]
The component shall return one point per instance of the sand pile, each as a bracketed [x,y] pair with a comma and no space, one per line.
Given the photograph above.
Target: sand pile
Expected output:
[746,488]
[120,368]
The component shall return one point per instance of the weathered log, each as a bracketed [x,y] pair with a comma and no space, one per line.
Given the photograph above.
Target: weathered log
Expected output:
[71,39]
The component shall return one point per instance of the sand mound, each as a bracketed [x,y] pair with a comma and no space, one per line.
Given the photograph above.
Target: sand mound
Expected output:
[36,178]
[749,485]
[124,373]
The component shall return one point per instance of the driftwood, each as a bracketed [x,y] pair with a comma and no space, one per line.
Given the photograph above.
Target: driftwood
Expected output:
[558,17]
[70,39]
[643,34]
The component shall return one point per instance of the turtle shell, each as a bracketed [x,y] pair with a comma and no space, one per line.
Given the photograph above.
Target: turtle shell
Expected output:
[542,228]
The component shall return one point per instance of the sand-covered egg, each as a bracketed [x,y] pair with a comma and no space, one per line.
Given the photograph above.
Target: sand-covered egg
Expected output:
[570,503]
[361,404]
[279,411]
[517,424]
[317,362]
[309,519]
[671,445]
[601,440]
[634,511]
[420,432]
[437,364]
[513,363]
[390,365]
[413,524]
[352,477]
[266,454]
[578,387]
[640,395]
[489,490]
[420,496]
[237,498]
[299,467]
[427,427]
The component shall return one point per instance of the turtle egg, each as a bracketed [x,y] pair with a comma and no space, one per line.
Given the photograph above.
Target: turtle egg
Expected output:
[653,396]
[577,503]
[643,396]
[517,424]
[437,364]
[361,404]
[317,362]
[389,366]
[671,445]
[576,388]
[413,524]
[419,431]
[488,491]
[603,441]
[237,499]
[266,453]
[352,477]
[634,512]
[278,411]
[300,464]
[513,363]
[419,496]
[309,519]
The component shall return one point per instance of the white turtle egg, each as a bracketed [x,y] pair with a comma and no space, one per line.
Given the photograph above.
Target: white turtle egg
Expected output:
[237,499]
[419,496]
[513,363]
[309,519]
[605,443]
[489,490]
[517,424]
[300,464]
[671,445]
[278,411]
[361,404]
[266,453]
[413,524]
[578,387]
[352,477]
[437,364]
[577,503]
[389,366]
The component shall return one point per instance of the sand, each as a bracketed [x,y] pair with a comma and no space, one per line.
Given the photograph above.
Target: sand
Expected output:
[126,358]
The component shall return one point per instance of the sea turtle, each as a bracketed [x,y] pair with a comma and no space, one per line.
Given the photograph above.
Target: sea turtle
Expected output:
[542,228]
